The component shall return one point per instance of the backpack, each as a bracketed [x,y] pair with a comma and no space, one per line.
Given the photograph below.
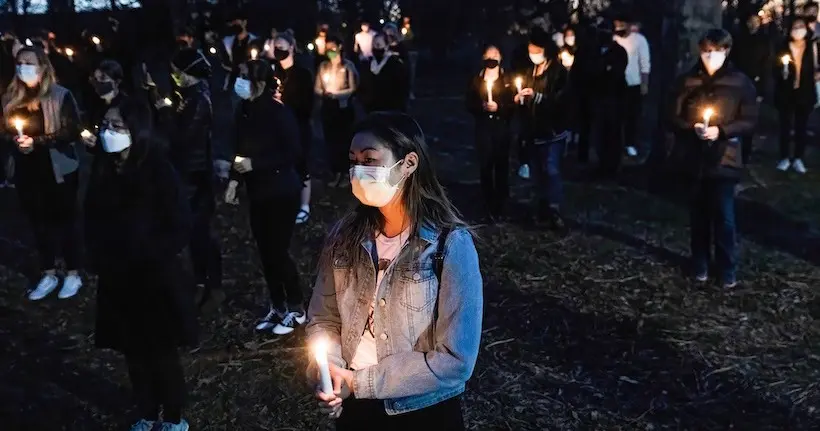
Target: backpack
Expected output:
[438,265]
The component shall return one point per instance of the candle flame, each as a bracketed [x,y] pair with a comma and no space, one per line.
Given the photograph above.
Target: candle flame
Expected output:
[267,47]
[167,101]
[404,30]
[761,13]
[28,42]
[708,113]
[69,52]
[19,123]
[310,46]
[254,53]
[85,133]
[326,78]
[786,59]
[212,50]
[96,40]
[238,159]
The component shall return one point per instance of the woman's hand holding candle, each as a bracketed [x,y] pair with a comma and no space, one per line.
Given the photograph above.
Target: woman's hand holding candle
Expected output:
[786,60]
[242,164]
[518,83]
[88,138]
[335,383]
[490,90]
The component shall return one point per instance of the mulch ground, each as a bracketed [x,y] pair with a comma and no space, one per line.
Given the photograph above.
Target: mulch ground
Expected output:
[597,329]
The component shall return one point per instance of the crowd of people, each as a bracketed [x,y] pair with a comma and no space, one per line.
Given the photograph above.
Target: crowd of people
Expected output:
[398,298]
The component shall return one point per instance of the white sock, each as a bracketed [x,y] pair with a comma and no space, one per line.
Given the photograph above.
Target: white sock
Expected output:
[306,208]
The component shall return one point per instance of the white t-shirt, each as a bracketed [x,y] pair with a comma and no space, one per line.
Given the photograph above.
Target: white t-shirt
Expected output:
[637,49]
[365,43]
[387,249]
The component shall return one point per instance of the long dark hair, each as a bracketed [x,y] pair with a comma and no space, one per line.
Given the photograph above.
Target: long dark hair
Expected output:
[138,118]
[424,199]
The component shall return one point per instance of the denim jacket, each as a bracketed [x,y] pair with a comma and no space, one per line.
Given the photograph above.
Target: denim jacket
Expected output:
[421,362]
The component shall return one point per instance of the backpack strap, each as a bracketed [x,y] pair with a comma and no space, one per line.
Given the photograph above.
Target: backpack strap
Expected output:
[438,266]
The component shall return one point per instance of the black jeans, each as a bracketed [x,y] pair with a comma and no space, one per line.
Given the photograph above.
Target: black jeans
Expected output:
[633,106]
[797,117]
[51,209]
[337,125]
[158,382]
[369,415]
[306,139]
[493,145]
[206,254]
[607,124]
[712,220]
[272,224]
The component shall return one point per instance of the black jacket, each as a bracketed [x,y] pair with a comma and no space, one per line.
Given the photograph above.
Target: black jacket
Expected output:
[387,90]
[603,77]
[547,112]
[188,124]
[297,90]
[805,94]
[268,134]
[731,95]
[752,54]
[503,93]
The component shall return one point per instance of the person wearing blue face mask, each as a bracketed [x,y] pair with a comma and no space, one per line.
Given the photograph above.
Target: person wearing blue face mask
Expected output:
[715,107]
[138,224]
[267,152]
[398,298]
[41,121]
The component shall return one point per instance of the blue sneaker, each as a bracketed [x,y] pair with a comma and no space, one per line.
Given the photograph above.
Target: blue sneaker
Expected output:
[181,426]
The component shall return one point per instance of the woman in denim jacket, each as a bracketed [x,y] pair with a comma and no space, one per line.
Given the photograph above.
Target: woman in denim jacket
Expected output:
[400,309]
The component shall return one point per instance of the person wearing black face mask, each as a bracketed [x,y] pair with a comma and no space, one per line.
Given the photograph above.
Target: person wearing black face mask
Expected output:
[106,83]
[296,92]
[385,85]
[238,45]
[489,99]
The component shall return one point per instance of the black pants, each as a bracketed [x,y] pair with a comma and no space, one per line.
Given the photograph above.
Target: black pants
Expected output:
[633,105]
[369,415]
[608,121]
[797,117]
[337,125]
[746,149]
[206,254]
[306,139]
[272,224]
[584,122]
[493,145]
[51,209]
[158,382]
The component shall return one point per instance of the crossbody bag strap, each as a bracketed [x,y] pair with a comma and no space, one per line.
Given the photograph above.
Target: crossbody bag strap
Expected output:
[438,265]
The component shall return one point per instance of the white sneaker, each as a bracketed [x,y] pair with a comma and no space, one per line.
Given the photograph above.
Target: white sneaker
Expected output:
[289,323]
[47,284]
[71,285]
[799,166]
[269,321]
[143,425]
[631,151]
[524,172]
[784,165]
[181,426]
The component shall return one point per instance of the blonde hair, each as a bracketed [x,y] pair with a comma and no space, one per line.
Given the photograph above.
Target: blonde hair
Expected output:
[17,94]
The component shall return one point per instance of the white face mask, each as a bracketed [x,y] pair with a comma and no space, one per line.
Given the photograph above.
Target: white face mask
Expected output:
[570,40]
[28,73]
[371,184]
[242,87]
[537,58]
[713,60]
[115,142]
[799,33]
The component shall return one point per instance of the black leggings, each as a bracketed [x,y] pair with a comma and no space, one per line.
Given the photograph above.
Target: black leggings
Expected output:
[158,382]
[369,415]
[797,117]
[272,224]
[51,209]
[493,145]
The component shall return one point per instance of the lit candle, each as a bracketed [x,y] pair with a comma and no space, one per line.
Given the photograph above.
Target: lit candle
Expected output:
[707,115]
[404,31]
[310,46]
[567,59]
[238,159]
[18,124]
[267,47]
[254,53]
[326,79]
[320,352]
[518,83]
[490,91]
[212,50]
[85,134]
[167,101]
[28,42]
[381,21]
[69,53]
[96,40]
[761,13]
[786,60]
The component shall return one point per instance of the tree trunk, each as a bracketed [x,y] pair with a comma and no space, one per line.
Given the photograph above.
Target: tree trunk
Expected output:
[696,17]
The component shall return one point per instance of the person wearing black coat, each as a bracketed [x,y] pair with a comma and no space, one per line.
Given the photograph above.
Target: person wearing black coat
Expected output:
[544,123]
[385,85]
[138,224]
[489,100]
[752,54]
[296,92]
[715,106]
[267,154]
[188,123]
[795,72]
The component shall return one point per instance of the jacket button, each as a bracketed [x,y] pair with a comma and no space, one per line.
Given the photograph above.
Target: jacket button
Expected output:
[417,276]
[383,336]
[382,302]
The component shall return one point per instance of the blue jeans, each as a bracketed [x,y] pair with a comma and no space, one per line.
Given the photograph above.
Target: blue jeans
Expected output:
[713,220]
[546,166]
